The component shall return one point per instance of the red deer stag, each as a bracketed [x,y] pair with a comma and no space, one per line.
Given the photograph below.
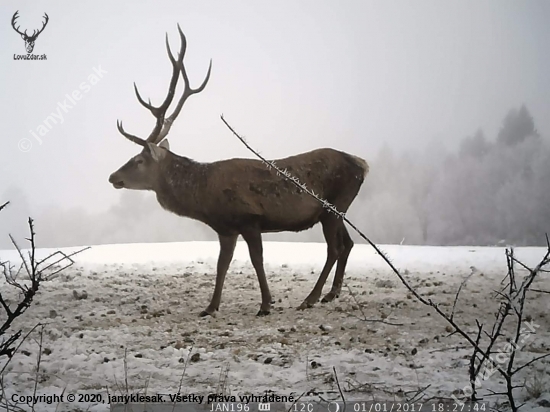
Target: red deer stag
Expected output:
[243,197]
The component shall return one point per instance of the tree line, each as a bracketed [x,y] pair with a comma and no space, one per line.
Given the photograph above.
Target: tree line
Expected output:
[489,191]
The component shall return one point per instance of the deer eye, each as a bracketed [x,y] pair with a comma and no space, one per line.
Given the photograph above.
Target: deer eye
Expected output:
[139,161]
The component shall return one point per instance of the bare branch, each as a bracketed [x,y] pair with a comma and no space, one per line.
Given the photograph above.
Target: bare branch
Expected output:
[458,292]
[530,363]
[338,384]
[35,273]
[24,262]
[19,345]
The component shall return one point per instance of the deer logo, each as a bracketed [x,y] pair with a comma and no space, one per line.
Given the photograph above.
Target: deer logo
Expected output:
[29,40]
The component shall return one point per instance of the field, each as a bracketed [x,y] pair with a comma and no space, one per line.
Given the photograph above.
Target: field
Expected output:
[125,317]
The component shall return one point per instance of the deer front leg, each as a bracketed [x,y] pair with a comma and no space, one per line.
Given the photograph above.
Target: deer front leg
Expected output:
[227,247]
[253,239]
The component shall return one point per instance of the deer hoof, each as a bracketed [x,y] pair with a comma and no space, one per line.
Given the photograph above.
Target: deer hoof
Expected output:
[305,305]
[204,313]
[329,297]
[262,312]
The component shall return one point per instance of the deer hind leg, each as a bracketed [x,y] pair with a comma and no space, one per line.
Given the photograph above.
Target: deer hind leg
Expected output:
[253,238]
[335,247]
[227,247]
[340,267]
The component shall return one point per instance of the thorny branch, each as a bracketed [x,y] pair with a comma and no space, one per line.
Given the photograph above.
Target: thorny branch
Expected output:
[458,292]
[37,271]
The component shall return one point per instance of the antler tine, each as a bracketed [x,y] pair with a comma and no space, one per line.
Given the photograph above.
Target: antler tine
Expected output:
[176,65]
[188,92]
[143,102]
[13,19]
[203,85]
[170,55]
[148,104]
[129,136]
[159,111]
[37,32]
[183,47]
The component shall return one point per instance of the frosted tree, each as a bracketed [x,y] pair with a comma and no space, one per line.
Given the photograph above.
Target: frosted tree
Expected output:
[517,126]
[476,146]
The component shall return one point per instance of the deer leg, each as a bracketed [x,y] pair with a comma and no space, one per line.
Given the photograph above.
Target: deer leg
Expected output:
[227,247]
[340,267]
[255,248]
[331,225]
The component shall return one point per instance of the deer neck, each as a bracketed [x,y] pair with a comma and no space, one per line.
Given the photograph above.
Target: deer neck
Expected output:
[180,184]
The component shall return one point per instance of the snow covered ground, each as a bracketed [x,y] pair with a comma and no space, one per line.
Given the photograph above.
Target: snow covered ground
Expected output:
[144,299]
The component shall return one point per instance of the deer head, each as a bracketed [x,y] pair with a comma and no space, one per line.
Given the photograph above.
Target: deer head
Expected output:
[29,40]
[141,171]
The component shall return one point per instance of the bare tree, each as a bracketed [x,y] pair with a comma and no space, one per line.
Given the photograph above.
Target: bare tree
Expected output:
[512,299]
[27,279]
[240,197]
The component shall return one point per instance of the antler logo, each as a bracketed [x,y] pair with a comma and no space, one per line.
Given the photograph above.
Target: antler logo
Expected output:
[29,40]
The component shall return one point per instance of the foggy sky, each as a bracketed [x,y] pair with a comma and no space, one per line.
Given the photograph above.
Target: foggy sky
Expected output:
[289,75]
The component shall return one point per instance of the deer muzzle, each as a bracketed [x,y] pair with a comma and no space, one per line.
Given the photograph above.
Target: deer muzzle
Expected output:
[116,182]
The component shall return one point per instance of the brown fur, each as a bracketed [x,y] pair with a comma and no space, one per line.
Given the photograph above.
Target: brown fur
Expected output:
[261,199]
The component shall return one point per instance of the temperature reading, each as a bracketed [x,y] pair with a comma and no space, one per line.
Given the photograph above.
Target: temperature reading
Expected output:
[302,407]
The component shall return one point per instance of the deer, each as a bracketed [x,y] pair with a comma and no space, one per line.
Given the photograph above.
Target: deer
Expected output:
[242,197]
[29,40]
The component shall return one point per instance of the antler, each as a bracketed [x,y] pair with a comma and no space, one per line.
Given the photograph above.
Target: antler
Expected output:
[15,17]
[129,136]
[163,125]
[35,33]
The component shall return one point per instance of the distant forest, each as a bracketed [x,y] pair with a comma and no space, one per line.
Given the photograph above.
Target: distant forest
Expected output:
[491,191]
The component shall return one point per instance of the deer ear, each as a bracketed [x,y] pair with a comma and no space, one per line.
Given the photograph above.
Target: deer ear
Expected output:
[165,144]
[156,153]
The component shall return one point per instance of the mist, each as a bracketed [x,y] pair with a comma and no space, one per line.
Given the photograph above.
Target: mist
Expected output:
[447,102]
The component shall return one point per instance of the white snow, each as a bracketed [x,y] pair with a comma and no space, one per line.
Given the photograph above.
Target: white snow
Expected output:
[145,299]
